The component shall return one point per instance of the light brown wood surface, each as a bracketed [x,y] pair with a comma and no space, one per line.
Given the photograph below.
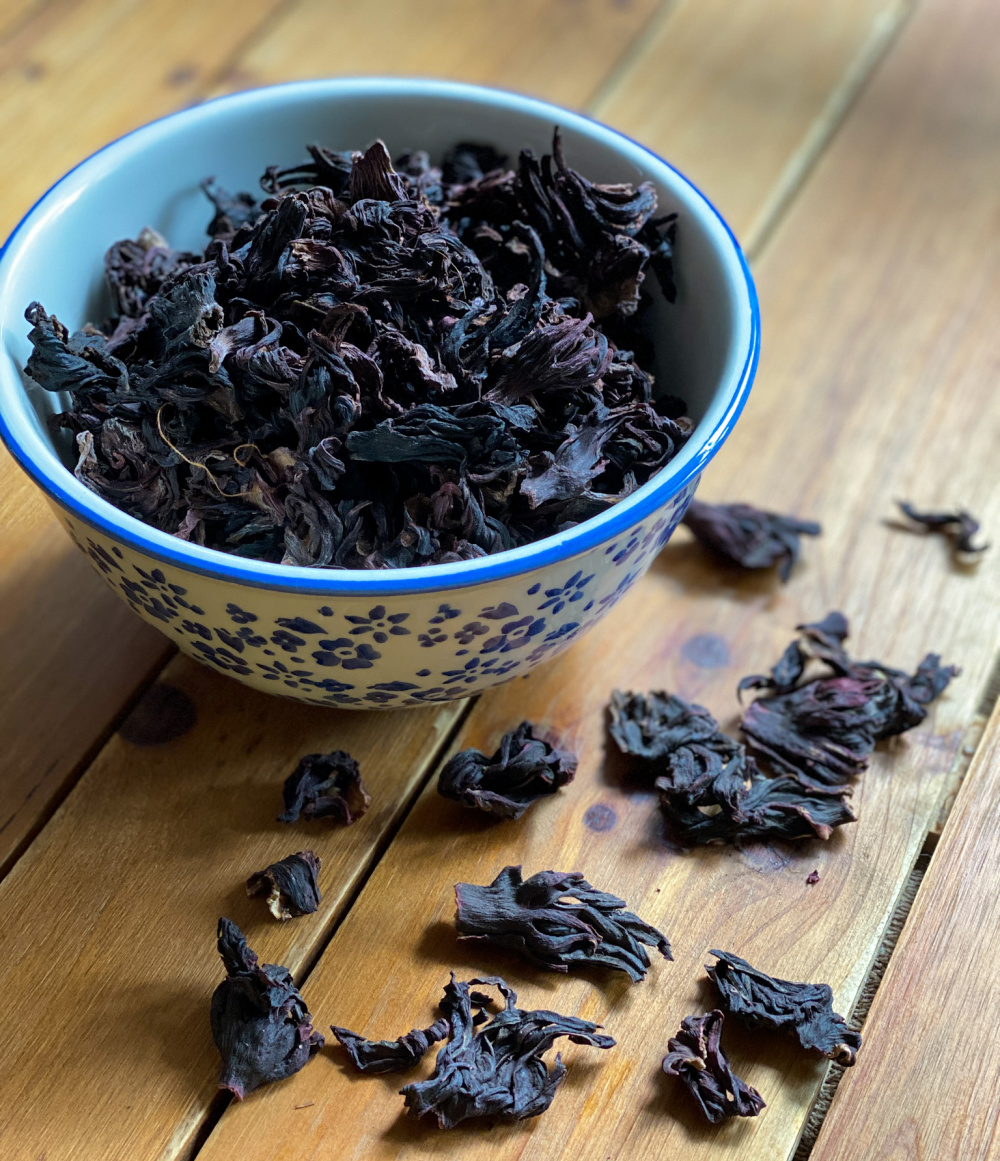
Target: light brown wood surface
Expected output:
[877,381]
[742,97]
[925,1087]
[109,919]
[870,388]
[73,75]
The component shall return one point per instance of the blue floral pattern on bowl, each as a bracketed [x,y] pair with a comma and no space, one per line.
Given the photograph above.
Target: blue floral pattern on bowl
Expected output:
[406,650]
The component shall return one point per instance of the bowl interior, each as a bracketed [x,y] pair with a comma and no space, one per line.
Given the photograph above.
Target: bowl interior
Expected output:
[151,177]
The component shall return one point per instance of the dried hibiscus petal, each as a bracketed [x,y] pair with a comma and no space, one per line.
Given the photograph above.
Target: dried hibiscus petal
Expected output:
[695,763]
[823,730]
[960,527]
[495,1068]
[749,537]
[378,1056]
[325,786]
[696,1057]
[260,1023]
[290,885]
[806,1009]
[772,808]
[523,769]
[558,920]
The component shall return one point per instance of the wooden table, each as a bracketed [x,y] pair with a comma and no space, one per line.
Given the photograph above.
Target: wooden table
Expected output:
[855,147]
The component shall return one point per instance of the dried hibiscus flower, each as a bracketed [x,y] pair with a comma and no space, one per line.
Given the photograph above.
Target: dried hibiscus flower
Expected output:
[558,921]
[696,1057]
[290,885]
[523,769]
[960,527]
[823,730]
[377,1056]
[771,808]
[325,786]
[260,1023]
[495,1068]
[749,537]
[806,1009]
[694,763]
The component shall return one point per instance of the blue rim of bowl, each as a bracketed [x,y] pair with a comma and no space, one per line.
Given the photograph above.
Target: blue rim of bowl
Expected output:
[666,484]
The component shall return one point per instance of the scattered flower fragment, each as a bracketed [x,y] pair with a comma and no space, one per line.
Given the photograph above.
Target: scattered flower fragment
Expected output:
[260,1023]
[763,1001]
[710,789]
[378,1056]
[812,878]
[682,747]
[749,537]
[524,769]
[325,786]
[290,885]
[495,1068]
[772,808]
[378,365]
[960,527]
[822,730]
[558,921]
[696,1057]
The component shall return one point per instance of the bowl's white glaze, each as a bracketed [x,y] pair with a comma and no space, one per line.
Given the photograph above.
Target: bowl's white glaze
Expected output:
[355,638]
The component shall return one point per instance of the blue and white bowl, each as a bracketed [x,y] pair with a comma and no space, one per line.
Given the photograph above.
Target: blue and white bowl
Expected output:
[359,638]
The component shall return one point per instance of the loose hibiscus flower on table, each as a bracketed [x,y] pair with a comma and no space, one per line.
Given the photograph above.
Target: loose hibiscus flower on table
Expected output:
[524,769]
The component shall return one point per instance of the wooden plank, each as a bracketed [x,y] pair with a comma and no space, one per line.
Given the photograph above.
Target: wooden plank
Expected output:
[710,77]
[925,1085]
[561,50]
[73,75]
[109,918]
[122,889]
[877,382]
[72,653]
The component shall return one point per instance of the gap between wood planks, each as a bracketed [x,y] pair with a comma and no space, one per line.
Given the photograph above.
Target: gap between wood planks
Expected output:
[222,1100]
[643,42]
[963,760]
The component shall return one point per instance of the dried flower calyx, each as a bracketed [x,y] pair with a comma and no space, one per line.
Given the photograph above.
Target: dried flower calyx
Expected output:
[290,885]
[806,1009]
[378,366]
[822,730]
[524,768]
[495,1068]
[325,786]
[960,527]
[557,920]
[681,745]
[710,789]
[696,1057]
[260,1023]
[749,537]
[772,808]
[378,1056]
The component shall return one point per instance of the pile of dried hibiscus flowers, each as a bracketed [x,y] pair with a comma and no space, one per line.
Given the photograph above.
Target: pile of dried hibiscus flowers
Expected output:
[378,365]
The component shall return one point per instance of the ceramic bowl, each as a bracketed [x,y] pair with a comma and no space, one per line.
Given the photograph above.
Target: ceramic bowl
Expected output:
[359,638]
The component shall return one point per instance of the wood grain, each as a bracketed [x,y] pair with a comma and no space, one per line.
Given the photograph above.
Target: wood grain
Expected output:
[109,919]
[73,75]
[562,50]
[878,381]
[72,654]
[742,97]
[925,1085]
